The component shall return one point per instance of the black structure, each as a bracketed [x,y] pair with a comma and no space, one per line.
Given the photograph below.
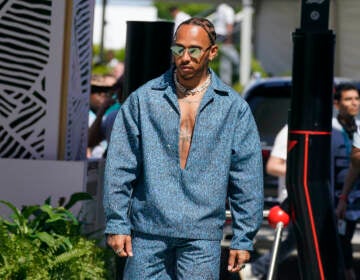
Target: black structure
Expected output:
[147,53]
[309,145]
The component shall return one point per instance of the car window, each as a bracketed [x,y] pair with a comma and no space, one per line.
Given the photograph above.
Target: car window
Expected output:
[270,106]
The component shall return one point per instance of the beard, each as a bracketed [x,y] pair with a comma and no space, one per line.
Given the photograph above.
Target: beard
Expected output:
[187,72]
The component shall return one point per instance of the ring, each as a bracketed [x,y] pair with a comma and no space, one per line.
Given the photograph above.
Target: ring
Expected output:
[118,251]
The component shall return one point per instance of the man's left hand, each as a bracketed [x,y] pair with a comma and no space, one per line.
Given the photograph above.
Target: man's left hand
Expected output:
[237,260]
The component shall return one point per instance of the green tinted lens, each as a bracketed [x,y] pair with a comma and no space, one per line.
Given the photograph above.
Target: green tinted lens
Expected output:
[177,50]
[194,52]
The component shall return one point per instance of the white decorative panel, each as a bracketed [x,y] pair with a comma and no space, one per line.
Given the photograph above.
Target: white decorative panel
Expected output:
[79,77]
[32,61]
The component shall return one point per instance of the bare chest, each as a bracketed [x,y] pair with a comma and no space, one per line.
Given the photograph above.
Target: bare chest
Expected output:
[188,110]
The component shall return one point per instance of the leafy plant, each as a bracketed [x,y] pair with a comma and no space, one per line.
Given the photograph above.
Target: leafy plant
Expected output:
[100,64]
[45,242]
[189,8]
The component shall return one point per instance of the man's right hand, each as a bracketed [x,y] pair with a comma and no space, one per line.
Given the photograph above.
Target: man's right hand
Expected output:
[121,244]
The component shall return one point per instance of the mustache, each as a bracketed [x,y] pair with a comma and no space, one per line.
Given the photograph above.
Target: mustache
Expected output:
[185,63]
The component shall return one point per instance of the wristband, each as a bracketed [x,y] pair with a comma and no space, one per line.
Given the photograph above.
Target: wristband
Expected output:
[343,197]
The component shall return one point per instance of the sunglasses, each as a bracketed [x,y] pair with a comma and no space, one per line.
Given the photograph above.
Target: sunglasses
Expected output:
[194,52]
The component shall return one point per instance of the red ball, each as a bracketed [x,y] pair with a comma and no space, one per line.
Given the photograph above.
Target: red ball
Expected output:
[276,215]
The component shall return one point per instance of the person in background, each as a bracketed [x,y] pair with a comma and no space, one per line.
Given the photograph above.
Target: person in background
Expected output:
[224,20]
[101,128]
[178,16]
[118,70]
[111,59]
[275,166]
[167,179]
[347,189]
[100,101]
[347,229]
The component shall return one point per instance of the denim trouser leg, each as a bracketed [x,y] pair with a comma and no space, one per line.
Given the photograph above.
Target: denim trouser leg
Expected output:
[164,258]
[198,260]
[152,259]
[261,265]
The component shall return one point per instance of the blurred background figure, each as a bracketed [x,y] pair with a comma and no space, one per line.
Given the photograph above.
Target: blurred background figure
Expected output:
[178,16]
[224,20]
[344,125]
[100,129]
[350,190]
[111,59]
[100,101]
[350,194]
[118,70]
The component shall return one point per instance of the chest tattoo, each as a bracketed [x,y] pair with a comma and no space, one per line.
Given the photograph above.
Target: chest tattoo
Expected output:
[185,134]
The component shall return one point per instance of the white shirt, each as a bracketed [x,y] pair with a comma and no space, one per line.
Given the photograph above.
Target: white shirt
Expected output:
[224,15]
[179,18]
[97,151]
[279,150]
[356,139]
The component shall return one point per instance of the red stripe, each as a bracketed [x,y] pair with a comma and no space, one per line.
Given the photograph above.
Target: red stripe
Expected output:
[307,195]
[310,132]
[292,144]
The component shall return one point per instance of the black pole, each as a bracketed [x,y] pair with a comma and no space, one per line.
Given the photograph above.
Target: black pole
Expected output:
[309,146]
[147,53]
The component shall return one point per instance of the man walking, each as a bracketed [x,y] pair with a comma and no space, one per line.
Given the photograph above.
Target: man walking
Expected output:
[181,145]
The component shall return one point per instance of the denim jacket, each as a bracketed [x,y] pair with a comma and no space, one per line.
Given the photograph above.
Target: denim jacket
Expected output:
[146,190]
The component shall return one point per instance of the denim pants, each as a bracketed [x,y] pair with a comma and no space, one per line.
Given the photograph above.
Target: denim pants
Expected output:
[168,258]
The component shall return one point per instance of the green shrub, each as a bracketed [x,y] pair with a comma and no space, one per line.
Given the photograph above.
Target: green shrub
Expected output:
[45,242]
[190,8]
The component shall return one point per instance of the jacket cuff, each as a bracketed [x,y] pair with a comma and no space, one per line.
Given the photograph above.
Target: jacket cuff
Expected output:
[116,227]
[241,244]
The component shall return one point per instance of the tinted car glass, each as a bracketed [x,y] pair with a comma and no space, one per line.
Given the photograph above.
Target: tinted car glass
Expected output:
[269,101]
[270,106]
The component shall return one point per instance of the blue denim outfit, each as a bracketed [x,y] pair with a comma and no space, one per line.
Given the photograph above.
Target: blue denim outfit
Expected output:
[147,191]
[159,257]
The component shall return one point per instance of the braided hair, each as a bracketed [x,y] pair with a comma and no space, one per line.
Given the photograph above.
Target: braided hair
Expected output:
[204,24]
